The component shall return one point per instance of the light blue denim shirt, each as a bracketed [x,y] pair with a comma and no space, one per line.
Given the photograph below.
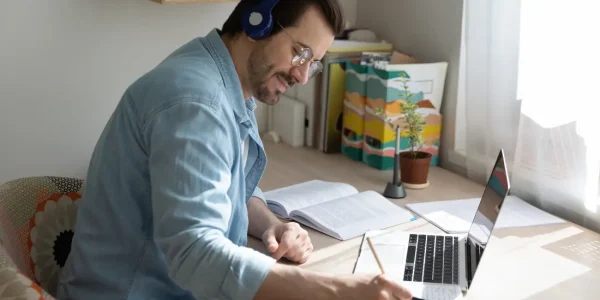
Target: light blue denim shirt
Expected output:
[163,214]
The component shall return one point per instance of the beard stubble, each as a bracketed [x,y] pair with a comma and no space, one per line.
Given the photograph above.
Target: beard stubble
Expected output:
[259,69]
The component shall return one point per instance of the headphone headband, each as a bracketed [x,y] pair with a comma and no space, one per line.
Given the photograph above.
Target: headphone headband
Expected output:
[257,20]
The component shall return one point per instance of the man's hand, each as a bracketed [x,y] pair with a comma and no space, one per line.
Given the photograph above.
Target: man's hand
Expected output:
[288,240]
[366,286]
[287,282]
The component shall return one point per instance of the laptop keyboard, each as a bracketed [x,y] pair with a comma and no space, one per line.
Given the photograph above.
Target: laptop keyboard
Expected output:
[432,258]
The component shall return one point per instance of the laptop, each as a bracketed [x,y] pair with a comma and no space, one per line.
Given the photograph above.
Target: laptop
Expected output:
[443,266]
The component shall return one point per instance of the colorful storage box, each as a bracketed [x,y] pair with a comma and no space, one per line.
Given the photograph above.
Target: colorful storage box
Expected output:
[355,97]
[385,90]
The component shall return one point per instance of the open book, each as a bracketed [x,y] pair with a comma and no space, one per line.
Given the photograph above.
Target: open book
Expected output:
[336,209]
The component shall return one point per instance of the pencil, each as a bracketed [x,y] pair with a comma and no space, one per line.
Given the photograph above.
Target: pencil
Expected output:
[375,254]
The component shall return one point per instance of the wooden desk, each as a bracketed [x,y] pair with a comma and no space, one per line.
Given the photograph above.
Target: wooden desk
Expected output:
[545,262]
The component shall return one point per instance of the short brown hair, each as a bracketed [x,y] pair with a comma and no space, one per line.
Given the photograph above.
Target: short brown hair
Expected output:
[287,13]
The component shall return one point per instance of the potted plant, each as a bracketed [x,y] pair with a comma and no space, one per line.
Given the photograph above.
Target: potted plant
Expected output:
[414,163]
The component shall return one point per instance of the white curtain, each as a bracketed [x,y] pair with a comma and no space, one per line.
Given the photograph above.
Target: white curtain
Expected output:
[531,78]
[491,46]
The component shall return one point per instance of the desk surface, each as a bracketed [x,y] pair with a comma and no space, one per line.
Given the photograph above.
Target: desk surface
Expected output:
[545,262]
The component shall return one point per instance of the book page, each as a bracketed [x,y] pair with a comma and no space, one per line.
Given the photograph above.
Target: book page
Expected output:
[353,215]
[306,194]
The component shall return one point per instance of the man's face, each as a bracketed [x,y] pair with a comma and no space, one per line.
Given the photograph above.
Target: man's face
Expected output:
[270,69]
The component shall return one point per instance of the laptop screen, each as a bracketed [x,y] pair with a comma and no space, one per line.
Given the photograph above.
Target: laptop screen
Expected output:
[495,192]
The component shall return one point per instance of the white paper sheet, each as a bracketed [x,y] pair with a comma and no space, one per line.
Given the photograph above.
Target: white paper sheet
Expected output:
[456,216]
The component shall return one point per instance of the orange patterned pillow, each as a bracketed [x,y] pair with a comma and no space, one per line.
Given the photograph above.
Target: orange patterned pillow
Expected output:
[51,233]
[15,285]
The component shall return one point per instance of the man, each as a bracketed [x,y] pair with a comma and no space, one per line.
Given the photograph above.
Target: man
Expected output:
[171,192]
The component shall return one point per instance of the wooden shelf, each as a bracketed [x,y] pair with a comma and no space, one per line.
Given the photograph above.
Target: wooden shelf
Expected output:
[191,1]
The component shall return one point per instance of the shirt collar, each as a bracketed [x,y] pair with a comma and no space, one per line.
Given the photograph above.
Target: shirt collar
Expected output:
[231,81]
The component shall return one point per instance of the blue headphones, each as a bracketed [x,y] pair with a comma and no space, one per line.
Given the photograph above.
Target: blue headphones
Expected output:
[257,21]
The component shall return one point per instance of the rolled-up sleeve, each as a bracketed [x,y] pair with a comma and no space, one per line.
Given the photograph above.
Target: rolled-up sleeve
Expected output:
[190,175]
[258,193]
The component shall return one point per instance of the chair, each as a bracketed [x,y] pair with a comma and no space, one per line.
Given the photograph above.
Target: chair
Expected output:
[37,216]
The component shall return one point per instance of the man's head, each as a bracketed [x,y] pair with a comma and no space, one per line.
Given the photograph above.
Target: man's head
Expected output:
[278,61]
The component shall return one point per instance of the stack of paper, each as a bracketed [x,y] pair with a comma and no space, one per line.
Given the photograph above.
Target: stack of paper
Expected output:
[456,216]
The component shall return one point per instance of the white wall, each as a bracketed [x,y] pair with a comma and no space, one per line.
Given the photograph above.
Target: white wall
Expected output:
[64,65]
[431,31]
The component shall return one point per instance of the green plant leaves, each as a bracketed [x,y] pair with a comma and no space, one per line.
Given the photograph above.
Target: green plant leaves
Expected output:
[415,124]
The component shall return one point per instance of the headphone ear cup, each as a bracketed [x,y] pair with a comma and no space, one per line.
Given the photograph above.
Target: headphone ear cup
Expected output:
[257,21]
[257,25]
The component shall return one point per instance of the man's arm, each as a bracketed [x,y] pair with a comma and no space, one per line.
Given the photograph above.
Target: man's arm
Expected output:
[190,177]
[287,240]
[260,218]
[287,282]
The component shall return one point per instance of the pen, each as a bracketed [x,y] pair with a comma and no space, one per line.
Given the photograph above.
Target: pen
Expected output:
[375,254]
[379,262]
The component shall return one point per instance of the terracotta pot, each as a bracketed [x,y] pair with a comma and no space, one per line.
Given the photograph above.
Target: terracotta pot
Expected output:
[414,170]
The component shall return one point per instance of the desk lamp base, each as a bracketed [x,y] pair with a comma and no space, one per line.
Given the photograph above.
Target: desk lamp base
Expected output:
[395,191]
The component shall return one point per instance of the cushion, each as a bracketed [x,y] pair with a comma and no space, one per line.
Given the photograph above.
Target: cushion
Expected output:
[50,235]
[15,285]
[37,216]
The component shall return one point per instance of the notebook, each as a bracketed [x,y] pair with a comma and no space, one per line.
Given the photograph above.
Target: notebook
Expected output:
[455,216]
[336,209]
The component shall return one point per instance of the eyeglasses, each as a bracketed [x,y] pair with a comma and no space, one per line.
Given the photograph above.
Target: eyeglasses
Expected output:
[304,55]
